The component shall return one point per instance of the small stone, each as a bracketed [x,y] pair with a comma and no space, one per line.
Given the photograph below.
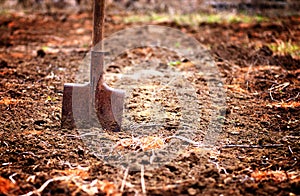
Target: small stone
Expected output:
[271,189]
[227,180]
[192,191]
[148,174]
[41,53]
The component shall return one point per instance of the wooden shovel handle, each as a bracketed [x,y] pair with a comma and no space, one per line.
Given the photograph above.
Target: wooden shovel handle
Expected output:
[97,55]
[98,14]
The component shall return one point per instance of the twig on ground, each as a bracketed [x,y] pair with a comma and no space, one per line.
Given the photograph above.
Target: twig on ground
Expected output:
[124,179]
[89,188]
[68,164]
[293,98]
[8,163]
[165,86]
[143,180]
[270,92]
[166,187]
[252,146]
[73,136]
[132,127]
[290,149]
[30,153]
[218,167]
[41,189]
[5,144]
[11,178]
[31,178]
[281,86]
[292,136]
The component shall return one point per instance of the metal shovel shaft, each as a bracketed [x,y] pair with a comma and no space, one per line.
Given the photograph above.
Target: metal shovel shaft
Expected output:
[97,58]
[98,23]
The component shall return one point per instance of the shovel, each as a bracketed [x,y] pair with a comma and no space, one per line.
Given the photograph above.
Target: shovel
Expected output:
[93,104]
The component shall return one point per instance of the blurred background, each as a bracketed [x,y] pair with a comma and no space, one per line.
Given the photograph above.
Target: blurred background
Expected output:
[267,7]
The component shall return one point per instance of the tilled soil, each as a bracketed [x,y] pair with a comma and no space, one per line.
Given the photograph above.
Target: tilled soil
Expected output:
[256,151]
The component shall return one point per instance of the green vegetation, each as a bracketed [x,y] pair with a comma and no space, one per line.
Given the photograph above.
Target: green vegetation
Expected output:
[195,18]
[50,99]
[284,48]
[174,63]
[85,45]
[45,48]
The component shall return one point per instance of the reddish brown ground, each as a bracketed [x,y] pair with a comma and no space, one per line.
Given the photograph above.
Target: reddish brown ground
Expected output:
[263,109]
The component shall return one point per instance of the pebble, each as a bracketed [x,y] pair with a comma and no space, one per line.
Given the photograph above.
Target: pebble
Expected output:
[192,191]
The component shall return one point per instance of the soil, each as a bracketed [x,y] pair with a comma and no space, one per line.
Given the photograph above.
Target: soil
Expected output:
[256,153]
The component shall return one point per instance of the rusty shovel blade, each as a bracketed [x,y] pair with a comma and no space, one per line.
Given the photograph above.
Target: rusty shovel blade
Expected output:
[109,107]
[93,104]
